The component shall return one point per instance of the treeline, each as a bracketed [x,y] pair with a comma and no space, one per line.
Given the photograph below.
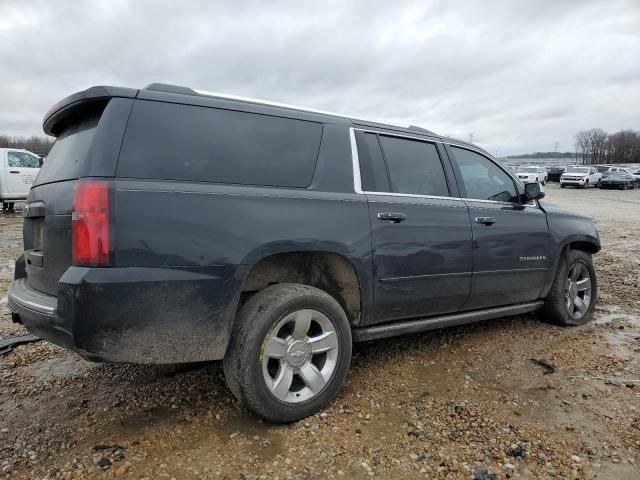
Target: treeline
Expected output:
[544,155]
[37,144]
[597,146]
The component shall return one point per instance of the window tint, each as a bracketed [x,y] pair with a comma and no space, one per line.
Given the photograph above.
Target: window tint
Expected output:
[70,152]
[373,172]
[482,178]
[414,167]
[22,160]
[182,142]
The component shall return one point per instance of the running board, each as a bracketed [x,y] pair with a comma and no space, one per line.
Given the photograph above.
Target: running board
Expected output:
[432,323]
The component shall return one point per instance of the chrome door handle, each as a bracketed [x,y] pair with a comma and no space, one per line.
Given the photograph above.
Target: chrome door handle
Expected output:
[485,220]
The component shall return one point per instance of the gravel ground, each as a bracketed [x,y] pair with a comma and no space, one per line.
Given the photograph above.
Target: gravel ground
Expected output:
[459,403]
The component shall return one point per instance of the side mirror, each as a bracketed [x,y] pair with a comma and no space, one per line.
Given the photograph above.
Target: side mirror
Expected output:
[533,191]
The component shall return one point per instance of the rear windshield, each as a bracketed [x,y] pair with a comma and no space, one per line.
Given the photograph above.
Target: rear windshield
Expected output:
[187,143]
[70,151]
[577,170]
[530,170]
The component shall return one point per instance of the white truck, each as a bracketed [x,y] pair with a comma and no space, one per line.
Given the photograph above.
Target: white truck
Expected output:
[580,176]
[18,169]
[533,174]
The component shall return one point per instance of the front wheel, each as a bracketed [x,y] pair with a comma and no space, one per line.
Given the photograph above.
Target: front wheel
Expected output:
[573,294]
[289,352]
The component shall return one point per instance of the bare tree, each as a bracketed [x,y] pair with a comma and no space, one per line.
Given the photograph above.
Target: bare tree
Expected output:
[582,145]
[37,144]
[624,147]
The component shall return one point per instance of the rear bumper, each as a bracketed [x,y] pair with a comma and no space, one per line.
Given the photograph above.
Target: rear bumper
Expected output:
[136,314]
[37,311]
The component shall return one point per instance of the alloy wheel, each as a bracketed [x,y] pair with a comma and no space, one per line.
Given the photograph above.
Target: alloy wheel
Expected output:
[299,356]
[577,291]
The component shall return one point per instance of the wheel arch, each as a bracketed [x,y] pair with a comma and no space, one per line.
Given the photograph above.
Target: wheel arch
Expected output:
[329,271]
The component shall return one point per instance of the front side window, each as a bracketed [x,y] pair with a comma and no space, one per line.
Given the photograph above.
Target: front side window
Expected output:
[22,160]
[414,167]
[483,179]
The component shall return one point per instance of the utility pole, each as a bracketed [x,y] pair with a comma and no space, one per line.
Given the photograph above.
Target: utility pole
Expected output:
[471,135]
[555,147]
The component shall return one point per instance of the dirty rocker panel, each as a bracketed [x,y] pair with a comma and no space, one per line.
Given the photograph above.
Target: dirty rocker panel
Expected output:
[414,326]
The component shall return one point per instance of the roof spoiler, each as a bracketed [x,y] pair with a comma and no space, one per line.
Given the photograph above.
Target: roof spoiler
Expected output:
[79,101]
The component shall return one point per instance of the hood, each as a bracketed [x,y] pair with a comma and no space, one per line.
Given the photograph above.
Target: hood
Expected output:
[553,209]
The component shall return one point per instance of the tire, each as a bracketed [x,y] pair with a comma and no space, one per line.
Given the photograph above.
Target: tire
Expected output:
[562,185]
[269,320]
[10,206]
[560,306]
[586,184]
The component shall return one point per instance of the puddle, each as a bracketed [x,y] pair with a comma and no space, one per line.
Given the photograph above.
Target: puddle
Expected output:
[624,344]
[607,318]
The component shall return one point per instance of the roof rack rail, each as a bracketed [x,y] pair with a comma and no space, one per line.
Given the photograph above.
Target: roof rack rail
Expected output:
[167,88]
[415,127]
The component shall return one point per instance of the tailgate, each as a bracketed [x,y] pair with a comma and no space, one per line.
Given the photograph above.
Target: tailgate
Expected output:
[89,135]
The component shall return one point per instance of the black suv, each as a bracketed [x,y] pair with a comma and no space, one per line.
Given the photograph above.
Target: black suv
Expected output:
[173,225]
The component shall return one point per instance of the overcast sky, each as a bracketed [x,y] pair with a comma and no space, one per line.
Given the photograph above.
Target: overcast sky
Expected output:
[519,75]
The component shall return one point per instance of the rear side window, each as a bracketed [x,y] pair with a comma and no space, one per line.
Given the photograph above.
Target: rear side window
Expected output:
[188,143]
[22,160]
[69,153]
[482,178]
[414,167]
[372,169]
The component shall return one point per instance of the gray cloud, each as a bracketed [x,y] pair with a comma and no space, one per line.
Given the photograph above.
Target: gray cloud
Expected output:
[519,75]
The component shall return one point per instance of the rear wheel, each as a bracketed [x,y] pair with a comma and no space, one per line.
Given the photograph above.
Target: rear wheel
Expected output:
[289,352]
[573,294]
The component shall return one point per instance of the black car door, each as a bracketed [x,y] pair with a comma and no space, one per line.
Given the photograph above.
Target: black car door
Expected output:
[510,239]
[421,235]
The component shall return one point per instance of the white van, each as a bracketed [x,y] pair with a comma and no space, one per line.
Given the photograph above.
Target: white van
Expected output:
[18,169]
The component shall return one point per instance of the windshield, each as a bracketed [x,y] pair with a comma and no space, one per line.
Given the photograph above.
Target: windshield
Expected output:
[529,170]
[577,170]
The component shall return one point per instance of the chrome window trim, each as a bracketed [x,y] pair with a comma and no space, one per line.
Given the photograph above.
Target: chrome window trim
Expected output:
[355,159]
[357,180]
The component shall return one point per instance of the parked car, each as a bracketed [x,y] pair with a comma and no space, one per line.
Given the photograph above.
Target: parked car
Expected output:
[18,168]
[580,176]
[618,179]
[554,173]
[172,225]
[533,174]
[603,168]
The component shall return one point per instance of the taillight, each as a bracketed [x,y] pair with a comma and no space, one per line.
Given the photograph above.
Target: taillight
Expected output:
[90,223]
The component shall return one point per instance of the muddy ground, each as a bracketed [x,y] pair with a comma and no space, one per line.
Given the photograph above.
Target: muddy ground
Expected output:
[457,403]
